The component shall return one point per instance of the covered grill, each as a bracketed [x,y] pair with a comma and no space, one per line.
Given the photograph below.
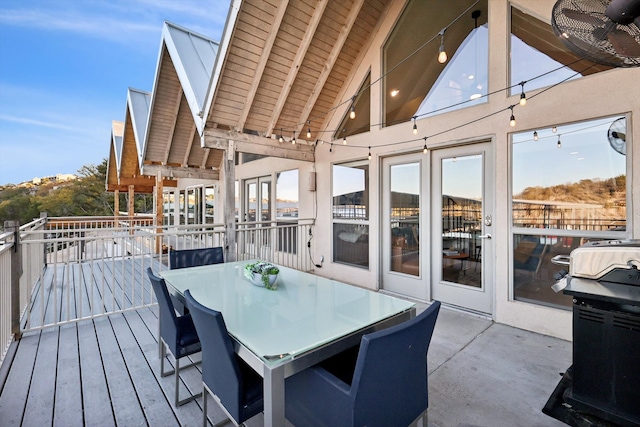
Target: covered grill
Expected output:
[603,384]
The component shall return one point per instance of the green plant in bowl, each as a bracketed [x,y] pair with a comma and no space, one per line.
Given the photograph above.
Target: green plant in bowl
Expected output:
[266,272]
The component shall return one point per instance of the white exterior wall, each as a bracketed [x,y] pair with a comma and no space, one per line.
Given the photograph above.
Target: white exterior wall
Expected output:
[614,92]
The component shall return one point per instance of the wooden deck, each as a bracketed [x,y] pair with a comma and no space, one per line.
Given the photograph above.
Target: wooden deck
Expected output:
[98,372]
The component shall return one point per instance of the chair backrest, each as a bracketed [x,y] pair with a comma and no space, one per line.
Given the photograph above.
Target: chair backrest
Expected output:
[169,319]
[195,257]
[389,385]
[220,369]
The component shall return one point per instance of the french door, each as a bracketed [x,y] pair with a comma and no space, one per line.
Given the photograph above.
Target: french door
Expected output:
[404,243]
[461,226]
[436,225]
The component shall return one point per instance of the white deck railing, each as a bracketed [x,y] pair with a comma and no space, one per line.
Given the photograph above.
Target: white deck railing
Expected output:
[73,269]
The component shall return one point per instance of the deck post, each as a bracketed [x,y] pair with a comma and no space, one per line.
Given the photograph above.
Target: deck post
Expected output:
[16,272]
[116,206]
[229,170]
[159,212]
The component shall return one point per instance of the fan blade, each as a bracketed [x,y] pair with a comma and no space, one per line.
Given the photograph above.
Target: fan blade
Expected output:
[624,43]
[586,17]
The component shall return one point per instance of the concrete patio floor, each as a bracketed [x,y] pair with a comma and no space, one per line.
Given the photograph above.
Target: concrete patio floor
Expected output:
[487,374]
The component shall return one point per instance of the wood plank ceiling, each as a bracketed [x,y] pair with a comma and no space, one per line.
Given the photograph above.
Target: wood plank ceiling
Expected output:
[287,66]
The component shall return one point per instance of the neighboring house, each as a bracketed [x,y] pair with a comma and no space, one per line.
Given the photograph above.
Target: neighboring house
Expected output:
[443,186]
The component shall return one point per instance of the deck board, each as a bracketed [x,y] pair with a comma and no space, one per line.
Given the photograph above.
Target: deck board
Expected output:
[95,393]
[40,400]
[68,408]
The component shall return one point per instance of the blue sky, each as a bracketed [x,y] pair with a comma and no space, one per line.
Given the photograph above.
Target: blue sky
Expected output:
[65,67]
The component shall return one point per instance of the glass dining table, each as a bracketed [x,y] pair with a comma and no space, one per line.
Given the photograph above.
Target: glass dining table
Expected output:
[280,332]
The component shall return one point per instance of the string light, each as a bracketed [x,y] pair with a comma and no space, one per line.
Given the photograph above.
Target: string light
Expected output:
[331,148]
[415,126]
[523,97]
[512,120]
[308,132]
[535,135]
[344,140]
[352,113]
[424,149]
[369,153]
[293,141]
[281,138]
[554,129]
[442,54]
[559,142]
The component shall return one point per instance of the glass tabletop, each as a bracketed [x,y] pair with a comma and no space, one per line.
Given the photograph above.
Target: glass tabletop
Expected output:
[304,312]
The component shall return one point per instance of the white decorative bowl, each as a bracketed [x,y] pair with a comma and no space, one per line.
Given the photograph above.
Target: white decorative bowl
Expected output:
[257,279]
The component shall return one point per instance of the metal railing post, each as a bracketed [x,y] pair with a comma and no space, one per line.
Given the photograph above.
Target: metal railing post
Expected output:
[16,272]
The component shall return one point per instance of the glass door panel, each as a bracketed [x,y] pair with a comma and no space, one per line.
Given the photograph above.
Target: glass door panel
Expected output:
[461,224]
[404,218]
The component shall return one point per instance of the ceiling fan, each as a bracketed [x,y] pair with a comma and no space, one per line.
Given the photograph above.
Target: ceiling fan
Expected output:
[603,31]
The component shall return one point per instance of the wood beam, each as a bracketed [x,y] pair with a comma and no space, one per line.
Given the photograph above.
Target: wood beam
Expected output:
[131,204]
[229,172]
[297,62]
[159,212]
[187,152]
[329,64]
[264,58]
[180,172]
[116,203]
[205,158]
[167,149]
[244,143]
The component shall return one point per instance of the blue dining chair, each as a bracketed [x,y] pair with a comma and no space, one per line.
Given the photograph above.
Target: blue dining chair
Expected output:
[233,384]
[388,386]
[178,333]
[195,257]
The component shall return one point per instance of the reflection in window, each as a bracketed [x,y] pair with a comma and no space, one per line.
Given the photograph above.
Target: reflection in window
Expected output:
[536,50]
[361,123]
[168,207]
[351,213]
[287,199]
[209,204]
[405,218]
[572,180]
[417,84]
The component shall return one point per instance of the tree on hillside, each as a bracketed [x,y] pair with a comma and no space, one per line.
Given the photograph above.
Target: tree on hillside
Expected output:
[17,205]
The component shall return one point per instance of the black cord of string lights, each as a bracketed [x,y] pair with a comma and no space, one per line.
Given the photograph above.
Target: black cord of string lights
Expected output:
[391,144]
[404,120]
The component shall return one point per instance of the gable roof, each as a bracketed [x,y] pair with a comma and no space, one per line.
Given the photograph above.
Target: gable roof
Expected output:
[287,63]
[172,138]
[115,149]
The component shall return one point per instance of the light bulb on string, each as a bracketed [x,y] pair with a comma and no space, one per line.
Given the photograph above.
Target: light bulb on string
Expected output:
[523,97]
[559,142]
[415,126]
[309,129]
[535,135]
[331,148]
[442,54]
[424,149]
[512,120]
[554,129]
[369,153]
[293,141]
[344,140]
[281,138]
[352,112]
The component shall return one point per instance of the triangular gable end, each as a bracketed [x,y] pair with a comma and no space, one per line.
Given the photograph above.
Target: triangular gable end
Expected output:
[115,151]
[138,103]
[193,56]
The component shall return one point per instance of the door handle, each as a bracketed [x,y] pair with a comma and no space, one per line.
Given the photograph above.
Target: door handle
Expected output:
[485,236]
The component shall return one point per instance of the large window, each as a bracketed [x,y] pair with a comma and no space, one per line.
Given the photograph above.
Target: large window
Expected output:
[416,83]
[287,199]
[536,51]
[569,186]
[351,213]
